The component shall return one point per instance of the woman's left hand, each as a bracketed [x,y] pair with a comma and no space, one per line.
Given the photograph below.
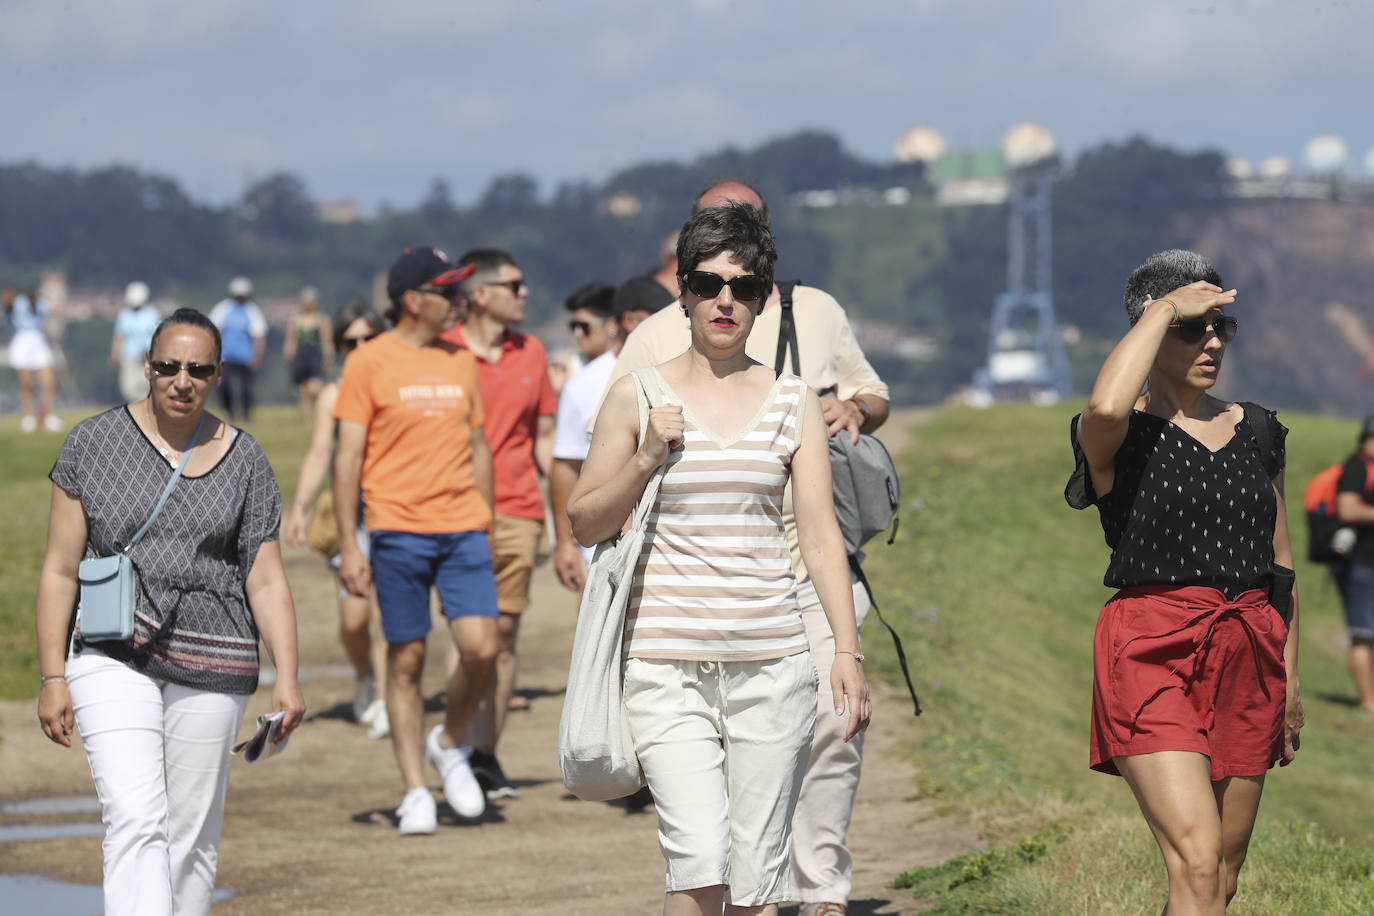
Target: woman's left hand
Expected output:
[847,681]
[287,698]
[1293,719]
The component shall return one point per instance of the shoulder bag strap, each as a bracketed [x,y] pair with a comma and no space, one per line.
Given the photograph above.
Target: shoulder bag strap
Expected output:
[858,571]
[787,330]
[647,382]
[167,490]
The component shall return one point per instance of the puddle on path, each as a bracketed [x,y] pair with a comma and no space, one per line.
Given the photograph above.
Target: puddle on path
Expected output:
[268,675]
[19,833]
[37,894]
[57,804]
[64,804]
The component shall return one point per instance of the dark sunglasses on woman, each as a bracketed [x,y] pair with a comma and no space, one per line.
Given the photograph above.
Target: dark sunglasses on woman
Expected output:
[167,368]
[706,285]
[349,344]
[1192,330]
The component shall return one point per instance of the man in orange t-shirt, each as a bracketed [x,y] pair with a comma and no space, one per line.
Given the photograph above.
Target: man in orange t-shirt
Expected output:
[519,403]
[410,438]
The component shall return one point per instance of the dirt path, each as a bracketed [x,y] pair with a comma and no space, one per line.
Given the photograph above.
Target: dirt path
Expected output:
[311,831]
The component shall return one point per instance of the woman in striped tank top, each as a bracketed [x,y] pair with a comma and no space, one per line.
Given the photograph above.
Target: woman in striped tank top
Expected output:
[719,684]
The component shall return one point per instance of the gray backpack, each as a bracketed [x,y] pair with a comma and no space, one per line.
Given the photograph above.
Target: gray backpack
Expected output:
[867,492]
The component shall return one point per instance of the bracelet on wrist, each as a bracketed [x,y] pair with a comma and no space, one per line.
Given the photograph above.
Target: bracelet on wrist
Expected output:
[1173,305]
[45,679]
[858,656]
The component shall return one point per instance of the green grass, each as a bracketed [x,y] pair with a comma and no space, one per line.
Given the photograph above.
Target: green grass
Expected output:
[998,584]
[25,493]
[995,585]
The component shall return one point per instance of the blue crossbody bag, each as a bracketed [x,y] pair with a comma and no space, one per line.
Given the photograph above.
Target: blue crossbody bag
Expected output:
[109,585]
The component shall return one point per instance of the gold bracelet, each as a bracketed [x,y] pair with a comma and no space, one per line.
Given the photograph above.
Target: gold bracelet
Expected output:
[44,679]
[1173,305]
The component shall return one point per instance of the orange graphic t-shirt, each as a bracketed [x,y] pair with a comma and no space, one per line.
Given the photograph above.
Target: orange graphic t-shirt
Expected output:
[420,405]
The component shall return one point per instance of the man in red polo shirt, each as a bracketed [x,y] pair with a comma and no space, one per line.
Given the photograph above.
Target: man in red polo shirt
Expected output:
[519,404]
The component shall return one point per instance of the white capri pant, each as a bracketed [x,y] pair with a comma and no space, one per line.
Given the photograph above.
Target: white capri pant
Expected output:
[159,755]
[724,746]
[822,868]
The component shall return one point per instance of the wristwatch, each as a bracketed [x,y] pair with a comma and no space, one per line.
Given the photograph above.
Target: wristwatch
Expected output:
[860,403]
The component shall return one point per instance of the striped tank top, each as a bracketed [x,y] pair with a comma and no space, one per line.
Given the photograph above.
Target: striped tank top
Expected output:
[714,580]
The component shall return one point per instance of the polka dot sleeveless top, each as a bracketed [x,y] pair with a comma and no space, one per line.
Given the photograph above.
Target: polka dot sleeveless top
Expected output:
[1181,514]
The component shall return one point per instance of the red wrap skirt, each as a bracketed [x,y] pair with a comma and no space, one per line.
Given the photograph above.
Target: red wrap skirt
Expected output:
[1187,669]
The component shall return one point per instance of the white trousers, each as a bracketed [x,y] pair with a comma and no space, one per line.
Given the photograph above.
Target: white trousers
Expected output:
[822,868]
[159,755]
[723,745]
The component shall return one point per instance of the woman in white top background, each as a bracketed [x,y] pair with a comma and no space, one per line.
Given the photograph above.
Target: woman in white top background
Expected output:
[719,684]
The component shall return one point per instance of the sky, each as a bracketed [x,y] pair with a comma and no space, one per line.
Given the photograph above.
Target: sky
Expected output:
[371,100]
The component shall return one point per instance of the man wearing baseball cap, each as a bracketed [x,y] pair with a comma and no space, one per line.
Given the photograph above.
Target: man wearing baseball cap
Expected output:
[410,436]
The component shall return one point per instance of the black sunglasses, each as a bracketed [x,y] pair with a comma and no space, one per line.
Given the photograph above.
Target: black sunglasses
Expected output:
[1192,330]
[348,344]
[514,285]
[584,326]
[703,283]
[448,292]
[167,368]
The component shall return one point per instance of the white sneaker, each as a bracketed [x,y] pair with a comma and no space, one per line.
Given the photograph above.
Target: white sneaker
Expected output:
[378,723]
[28,423]
[52,423]
[417,813]
[460,786]
[364,693]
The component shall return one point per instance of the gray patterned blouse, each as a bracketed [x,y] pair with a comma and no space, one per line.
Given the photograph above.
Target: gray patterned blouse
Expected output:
[192,624]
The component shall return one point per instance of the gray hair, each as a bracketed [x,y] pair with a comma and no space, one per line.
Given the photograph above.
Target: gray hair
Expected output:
[1163,273]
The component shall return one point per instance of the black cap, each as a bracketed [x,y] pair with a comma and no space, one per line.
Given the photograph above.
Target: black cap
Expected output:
[641,294]
[426,266]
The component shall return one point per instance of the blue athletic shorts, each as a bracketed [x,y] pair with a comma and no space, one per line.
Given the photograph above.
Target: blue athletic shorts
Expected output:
[405,566]
[1356,584]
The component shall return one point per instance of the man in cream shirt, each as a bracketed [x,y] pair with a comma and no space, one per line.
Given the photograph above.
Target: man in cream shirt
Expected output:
[854,399]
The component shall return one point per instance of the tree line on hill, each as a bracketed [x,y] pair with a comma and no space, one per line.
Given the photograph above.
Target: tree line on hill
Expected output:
[924,269]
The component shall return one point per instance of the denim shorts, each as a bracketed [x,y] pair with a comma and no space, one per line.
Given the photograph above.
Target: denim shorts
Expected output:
[406,565]
[1356,584]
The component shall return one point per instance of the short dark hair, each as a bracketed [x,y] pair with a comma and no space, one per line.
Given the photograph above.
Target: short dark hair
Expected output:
[190,318]
[732,227]
[597,298]
[351,313]
[1161,274]
[486,260]
[696,201]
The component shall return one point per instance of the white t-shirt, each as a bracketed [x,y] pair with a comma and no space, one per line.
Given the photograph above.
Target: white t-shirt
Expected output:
[576,410]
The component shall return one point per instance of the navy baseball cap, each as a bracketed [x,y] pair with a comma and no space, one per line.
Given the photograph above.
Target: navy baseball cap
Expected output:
[426,266]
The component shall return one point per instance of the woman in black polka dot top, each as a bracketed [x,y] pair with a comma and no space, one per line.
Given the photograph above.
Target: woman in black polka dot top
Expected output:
[1195,688]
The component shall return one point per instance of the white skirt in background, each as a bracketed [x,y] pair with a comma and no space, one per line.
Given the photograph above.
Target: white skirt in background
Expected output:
[29,350]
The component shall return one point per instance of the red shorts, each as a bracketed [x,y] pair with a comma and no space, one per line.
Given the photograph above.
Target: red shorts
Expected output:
[1185,669]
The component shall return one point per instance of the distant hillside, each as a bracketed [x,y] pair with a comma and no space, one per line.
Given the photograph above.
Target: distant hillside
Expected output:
[1305,275]
[924,275]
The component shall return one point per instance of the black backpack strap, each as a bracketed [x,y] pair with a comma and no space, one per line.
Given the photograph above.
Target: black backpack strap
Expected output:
[787,330]
[896,640]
